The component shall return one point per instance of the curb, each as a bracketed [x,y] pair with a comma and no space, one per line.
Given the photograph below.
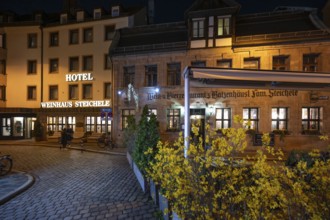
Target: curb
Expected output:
[10,195]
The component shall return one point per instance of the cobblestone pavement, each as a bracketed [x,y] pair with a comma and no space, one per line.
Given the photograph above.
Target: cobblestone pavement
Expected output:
[76,185]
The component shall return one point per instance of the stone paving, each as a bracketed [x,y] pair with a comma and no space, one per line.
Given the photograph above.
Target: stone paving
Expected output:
[70,184]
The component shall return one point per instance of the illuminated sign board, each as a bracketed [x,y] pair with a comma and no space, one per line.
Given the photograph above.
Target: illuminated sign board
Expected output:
[79,77]
[76,104]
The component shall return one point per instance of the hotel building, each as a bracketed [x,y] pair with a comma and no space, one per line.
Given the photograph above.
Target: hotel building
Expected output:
[55,68]
[148,62]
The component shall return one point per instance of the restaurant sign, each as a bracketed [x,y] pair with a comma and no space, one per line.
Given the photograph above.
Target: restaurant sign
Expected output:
[234,94]
[76,104]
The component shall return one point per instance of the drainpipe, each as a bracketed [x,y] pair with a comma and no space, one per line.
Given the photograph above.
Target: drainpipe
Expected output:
[42,65]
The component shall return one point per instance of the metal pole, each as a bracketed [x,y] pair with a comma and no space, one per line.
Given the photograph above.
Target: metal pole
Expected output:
[186,111]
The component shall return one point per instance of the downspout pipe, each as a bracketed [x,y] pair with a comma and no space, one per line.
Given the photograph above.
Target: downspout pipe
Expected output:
[186,72]
[42,64]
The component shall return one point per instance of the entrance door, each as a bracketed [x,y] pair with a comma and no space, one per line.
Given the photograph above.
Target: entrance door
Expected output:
[197,118]
[18,126]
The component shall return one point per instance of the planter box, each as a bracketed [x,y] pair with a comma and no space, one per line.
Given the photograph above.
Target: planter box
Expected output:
[142,181]
[154,192]
[129,159]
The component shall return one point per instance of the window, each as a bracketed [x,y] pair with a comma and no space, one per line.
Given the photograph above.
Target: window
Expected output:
[74,36]
[3,93]
[61,123]
[32,67]
[87,91]
[129,75]
[97,124]
[73,92]
[53,65]
[31,93]
[107,90]
[2,40]
[151,75]
[53,39]
[211,26]
[3,67]
[310,62]
[222,118]
[74,64]
[109,32]
[51,123]
[107,62]
[223,26]
[281,63]
[87,63]
[279,119]
[53,92]
[224,63]
[252,63]
[88,35]
[115,11]
[198,28]
[173,119]
[198,63]
[6,126]
[32,40]
[125,114]
[251,118]
[64,18]
[71,122]
[311,118]
[173,74]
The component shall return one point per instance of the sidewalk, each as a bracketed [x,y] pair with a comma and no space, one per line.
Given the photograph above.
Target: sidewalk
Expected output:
[17,182]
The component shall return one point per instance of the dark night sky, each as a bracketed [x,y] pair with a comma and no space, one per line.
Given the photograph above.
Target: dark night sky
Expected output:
[165,12]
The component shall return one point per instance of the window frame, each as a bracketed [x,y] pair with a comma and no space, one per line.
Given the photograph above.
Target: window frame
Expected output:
[54,39]
[223,119]
[277,121]
[3,67]
[86,32]
[173,119]
[254,121]
[72,33]
[198,28]
[151,75]
[53,69]
[278,63]
[2,92]
[109,32]
[87,64]
[87,91]
[53,89]
[31,93]
[73,88]
[221,63]
[174,74]
[107,62]
[107,88]
[74,63]
[251,59]
[125,116]
[310,121]
[32,40]
[225,26]
[313,62]
[32,67]
[128,75]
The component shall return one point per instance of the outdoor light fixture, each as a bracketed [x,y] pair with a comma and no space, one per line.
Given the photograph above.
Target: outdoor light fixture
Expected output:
[157,90]
[119,92]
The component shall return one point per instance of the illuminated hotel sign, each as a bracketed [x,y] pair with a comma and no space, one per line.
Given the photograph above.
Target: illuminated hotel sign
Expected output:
[78,77]
[76,104]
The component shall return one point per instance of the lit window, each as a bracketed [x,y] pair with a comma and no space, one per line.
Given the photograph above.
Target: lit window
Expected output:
[53,39]
[279,119]
[51,123]
[87,91]
[222,118]
[281,63]
[32,67]
[151,75]
[53,66]
[74,64]
[107,90]
[31,93]
[53,92]
[73,92]
[88,63]
[310,62]
[311,119]
[251,118]
[173,119]
[129,75]
[223,26]
[173,74]
[32,40]
[88,35]
[124,117]
[198,28]
[74,36]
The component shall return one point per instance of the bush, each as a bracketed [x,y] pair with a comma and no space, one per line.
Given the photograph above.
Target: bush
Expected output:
[214,184]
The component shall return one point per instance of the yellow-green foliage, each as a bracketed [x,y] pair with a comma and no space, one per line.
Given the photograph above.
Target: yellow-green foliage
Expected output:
[221,182]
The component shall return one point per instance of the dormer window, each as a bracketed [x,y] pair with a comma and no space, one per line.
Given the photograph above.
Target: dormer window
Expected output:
[64,18]
[80,16]
[198,27]
[223,26]
[37,17]
[97,13]
[115,11]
